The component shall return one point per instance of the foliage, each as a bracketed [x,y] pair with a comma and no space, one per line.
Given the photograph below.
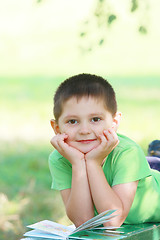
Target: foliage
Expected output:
[104,16]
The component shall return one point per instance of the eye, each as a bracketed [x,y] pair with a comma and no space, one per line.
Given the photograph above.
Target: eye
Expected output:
[95,119]
[72,121]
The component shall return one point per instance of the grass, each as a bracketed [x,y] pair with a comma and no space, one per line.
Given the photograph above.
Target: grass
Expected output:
[25,183]
[26,107]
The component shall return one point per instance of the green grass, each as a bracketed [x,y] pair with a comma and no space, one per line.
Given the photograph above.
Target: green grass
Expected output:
[24,174]
[25,180]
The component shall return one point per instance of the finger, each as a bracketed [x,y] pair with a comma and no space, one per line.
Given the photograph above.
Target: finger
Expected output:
[59,139]
[114,126]
[111,134]
[61,142]
[106,145]
[104,141]
[54,142]
[108,134]
[112,138]
[115,136]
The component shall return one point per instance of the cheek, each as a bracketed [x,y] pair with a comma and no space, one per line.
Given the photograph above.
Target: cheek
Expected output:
[99,130]
[71,138]
[69,132]
[104,126]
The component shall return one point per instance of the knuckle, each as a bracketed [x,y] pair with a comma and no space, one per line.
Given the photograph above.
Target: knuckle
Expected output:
[52,141]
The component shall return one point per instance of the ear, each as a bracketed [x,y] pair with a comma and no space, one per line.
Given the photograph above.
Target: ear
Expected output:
[55,126]
[117,120]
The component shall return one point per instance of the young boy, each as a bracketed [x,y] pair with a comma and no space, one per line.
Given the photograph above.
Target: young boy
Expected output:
[95,168]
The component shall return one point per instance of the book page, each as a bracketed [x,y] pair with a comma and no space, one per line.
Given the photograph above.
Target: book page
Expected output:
[52,227]
[96,221]
[34,238]
[42,234]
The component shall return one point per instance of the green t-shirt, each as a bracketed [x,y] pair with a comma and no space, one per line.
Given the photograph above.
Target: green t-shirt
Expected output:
[126,163]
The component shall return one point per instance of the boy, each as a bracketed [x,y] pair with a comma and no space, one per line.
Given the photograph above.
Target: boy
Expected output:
[95,168]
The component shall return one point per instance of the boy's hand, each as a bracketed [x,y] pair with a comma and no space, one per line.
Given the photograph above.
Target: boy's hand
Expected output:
[109,140]
[70,153]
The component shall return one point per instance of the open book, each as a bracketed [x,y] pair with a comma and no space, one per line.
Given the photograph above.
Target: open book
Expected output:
[92,229]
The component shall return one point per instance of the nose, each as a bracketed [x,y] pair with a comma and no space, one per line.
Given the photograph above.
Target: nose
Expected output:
[84,128]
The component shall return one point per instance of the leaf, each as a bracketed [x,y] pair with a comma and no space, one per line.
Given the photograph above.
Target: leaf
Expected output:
[142,30]
[86,22]
[89,49]
[101,41]
[82,34]
[111,18]
[134,5]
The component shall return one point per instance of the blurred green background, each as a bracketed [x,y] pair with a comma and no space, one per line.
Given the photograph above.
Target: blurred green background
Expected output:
[40,46]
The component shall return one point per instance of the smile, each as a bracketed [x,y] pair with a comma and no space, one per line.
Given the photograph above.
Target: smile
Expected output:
[86,141]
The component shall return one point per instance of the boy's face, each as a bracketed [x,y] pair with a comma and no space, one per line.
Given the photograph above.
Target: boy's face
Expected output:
[83,121]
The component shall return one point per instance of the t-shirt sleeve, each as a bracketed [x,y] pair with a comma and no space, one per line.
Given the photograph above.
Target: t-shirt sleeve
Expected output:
[130,165]
[61,171]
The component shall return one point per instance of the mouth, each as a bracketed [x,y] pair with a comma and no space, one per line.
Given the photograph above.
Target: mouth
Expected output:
[86,141]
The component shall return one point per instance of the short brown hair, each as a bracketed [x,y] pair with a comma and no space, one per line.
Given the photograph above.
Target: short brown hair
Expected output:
[84,85]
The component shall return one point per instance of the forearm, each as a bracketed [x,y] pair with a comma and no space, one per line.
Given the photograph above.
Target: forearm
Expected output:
[103,195]
[79,206]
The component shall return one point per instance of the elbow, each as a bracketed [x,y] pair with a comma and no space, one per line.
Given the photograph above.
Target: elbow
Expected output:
[116,221]
[78,220]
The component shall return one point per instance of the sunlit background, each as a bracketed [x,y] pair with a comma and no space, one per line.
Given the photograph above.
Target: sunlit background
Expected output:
[41,44]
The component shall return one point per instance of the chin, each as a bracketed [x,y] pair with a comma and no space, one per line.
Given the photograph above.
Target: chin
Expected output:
[86,149]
